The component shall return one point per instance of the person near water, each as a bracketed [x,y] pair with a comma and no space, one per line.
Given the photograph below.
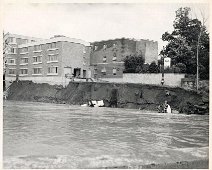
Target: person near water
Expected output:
[167,108]
[160,108]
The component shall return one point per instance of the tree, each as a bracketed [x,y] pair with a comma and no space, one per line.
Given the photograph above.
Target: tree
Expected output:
[184,41]
[182,67]
[153,68]
[133,64]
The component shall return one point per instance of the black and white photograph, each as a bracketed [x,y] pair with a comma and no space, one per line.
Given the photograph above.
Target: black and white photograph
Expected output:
[113,85]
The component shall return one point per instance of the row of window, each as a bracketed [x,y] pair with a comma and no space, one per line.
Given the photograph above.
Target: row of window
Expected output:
[24,71]
[105,58]
[104,47]
[104,71]
[14,40]
[36,59]
[39,47]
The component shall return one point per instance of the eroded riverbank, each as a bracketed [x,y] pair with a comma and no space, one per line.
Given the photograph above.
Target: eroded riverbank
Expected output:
[136,96]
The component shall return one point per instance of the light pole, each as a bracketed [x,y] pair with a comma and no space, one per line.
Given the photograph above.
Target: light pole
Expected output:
[162,70]
[197,78]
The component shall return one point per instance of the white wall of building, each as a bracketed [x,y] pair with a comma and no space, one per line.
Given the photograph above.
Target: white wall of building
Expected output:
[171,79]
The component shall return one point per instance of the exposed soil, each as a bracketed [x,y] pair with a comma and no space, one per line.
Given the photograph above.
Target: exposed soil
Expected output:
[137,96]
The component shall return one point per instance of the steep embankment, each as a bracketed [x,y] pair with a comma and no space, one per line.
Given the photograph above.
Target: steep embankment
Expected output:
[123,95]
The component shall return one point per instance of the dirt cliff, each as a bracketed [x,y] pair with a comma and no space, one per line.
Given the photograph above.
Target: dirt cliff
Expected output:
[136,96]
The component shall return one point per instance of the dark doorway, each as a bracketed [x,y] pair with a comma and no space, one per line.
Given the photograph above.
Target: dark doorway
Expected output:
[77,72]
[84,73]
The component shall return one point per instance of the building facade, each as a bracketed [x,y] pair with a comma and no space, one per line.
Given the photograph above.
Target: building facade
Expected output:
[10,48]
[107,57]
[60,58]
[51,60]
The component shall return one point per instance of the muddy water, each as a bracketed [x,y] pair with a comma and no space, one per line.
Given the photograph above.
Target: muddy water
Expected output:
[43,135]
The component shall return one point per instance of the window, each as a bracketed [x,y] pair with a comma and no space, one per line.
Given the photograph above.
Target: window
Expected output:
[37,70]
[37,47]
[104,71]
[53,57]
[95,71]
[84,50]
[24,60]
[52,45]
[23,50]
[52,70]
[11,61]
[104,59]
[105,46]
[114,71]
[114,57]
[37,59]
[24,71]
[12,50]
[25,41]
[12,40]
[11,71]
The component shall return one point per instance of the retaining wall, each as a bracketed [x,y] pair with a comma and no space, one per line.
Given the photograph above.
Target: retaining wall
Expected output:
[171,79]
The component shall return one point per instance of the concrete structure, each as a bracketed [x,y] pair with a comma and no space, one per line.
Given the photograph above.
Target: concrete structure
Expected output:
[108,56]
[171,79]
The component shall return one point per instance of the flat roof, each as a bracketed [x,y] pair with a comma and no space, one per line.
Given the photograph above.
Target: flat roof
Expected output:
[134,39]
[22,36]
[56,39]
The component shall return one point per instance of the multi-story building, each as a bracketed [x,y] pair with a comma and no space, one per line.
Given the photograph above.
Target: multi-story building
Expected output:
[59,58]
[50,60]
[10,53]
[108,56]
[10,45]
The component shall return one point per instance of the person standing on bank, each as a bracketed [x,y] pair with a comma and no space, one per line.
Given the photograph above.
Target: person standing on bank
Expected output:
[167,108]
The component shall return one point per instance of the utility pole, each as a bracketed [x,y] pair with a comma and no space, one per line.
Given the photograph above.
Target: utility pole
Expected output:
[197,78]
[198,42]
[162,68]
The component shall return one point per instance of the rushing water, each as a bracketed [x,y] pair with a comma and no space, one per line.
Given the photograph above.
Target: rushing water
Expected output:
[43,135]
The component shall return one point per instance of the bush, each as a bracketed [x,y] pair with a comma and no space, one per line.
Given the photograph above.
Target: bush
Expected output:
[153,68]
[169,70]
[182,67]
[133,64]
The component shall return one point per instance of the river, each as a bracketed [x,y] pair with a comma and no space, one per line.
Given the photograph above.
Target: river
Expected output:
[45,135]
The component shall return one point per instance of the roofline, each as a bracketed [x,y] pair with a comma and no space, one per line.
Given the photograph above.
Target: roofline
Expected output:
[22,36]
[134,39]
[57,39]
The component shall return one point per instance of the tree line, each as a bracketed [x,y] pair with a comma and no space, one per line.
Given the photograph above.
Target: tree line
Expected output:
[188,37]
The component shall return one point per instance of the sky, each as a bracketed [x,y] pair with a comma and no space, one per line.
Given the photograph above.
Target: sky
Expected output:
[95,22]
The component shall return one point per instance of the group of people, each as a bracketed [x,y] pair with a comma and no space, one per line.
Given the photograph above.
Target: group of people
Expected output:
[164,108]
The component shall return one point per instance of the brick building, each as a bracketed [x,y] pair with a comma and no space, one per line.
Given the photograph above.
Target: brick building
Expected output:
[50,60]
[108,56]
[59,58]
[10,47]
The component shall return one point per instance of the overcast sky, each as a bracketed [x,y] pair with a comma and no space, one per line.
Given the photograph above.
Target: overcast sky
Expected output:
[94,22]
